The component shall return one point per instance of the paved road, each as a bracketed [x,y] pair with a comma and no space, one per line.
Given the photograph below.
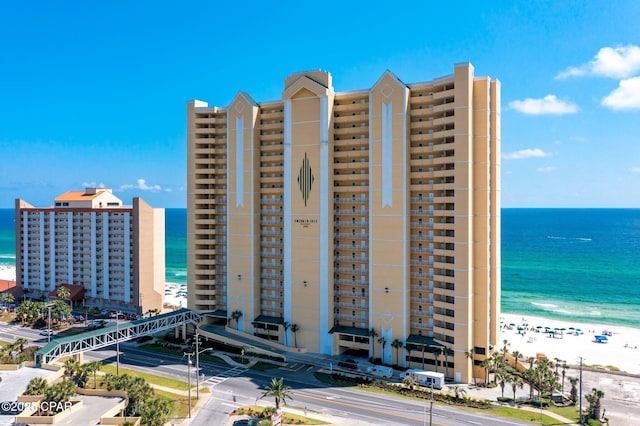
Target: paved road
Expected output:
[622,394]
[246,386]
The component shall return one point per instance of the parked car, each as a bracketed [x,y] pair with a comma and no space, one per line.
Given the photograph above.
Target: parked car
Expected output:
[350,364]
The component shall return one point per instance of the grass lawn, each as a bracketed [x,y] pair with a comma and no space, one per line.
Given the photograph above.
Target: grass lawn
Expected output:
[287,418]
[529,416]
[327,379]
[159,349]
[150,378]
[263,366]
[4,343]
[570,412]
[180,407]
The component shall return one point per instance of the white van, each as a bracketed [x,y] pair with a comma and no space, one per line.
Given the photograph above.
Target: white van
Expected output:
[429,378]
[381,371]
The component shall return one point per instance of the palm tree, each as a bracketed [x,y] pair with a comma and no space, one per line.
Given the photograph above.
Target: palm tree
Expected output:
[60,392]
[63,293]
[236,315]
[383,343]
[294,330]
[373,334]
[470,354]
[397,344]
[458,391]
[409,381]
[516,382]
[447,352]
[278,390]
[436,354]
[409,348]
[564,373]
[19,344]
[574,389]
[594,402]
[502,377]
[156,411]
[505,346]
[71,367]
[94,367]
[515,355]
[486,365]
[36,386]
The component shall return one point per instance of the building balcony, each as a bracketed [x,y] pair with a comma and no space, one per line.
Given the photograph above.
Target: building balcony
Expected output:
[345,200]
[271,200]
[350,305]
[350,317]
[421,250]
[418,313]
[358,235]
[421,326]
[359,259]
[359,224]
[423,262]
[349,293]
[359,271]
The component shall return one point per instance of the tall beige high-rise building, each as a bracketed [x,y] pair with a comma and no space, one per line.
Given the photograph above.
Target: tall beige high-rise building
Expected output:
[110,255]
[368,218]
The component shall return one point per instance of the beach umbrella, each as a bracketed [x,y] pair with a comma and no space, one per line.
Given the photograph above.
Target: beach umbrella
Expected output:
[572,328]
[513,324]
[538,326]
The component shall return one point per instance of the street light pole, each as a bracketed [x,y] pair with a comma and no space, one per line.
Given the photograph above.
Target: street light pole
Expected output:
[197,366]
[431,407]
[189,355]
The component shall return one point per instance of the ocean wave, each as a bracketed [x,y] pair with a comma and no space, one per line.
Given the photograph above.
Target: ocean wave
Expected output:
[551,237]
[545,305]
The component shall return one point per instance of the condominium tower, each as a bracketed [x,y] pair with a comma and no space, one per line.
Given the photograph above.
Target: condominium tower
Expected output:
[370,219]
[89,240]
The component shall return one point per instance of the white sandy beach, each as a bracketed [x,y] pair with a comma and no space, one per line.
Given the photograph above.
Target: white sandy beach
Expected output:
[7,273]
[620,350]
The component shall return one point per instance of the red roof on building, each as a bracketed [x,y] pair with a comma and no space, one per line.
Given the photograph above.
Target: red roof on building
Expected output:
[76,292]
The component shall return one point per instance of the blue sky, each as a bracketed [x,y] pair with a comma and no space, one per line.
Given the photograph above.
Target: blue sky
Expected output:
[96,92]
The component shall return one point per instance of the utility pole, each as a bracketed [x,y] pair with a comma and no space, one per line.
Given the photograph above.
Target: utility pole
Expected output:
[431,407]
[581,359]
[197,366]
[189,355]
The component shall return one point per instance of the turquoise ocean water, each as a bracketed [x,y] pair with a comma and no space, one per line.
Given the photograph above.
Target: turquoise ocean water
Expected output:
[571,264]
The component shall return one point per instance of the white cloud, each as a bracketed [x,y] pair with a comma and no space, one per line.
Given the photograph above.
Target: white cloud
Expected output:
[635,170]
[93,185]
[550,104]
[545,169]
[525,153]
[613,62]
[141,185]
[626,96]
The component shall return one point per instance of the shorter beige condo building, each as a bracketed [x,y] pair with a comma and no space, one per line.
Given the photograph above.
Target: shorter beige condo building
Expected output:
[364,222]
[111,255]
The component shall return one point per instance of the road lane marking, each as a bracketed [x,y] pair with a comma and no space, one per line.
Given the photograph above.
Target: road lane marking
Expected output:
[374,410]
